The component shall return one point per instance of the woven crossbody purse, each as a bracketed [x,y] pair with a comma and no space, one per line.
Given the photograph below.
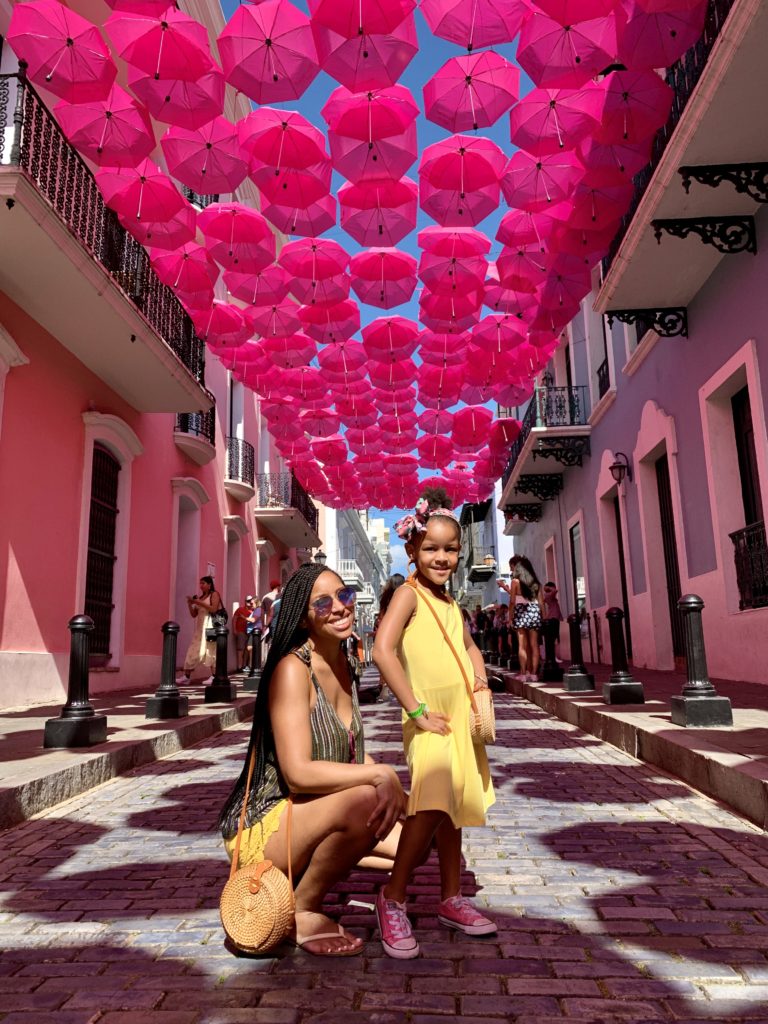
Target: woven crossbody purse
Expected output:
[482,724]
[257,905]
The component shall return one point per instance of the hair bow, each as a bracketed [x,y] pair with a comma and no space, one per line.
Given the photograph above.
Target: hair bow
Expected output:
[416,522]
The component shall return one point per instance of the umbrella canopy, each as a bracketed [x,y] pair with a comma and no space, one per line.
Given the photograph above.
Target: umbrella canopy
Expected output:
[164,234]
[380,211]
[296,350]
[175,101]
[331,451]
[446,274]
[188,269]
[462,162]
[64,52]
[279,320]
[383,277]
[435,451]
[457,208]
[656,40]
[616,163]
[298,189]
[443,349]
[436,421]
[557,55]
[141,193]
[536,182]
[454,242]
[367,60]
[268,52]
[394,375]
[471,91]
[551,120]
[521,268]
[439,386]
[371,115]
[313,259]
[319,422]
[360,160]
[166,45]
[390,338]
[475,23]
[328,292]
[471,425]
[637,104]
[209,159]
[237,236]
[521,228]
[331,324]
[222,324]
[281,138]
[116,130]
[306,221]
[268,287]
[350,18]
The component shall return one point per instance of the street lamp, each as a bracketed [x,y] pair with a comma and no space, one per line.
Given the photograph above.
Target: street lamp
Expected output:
[320,557]
[620,469]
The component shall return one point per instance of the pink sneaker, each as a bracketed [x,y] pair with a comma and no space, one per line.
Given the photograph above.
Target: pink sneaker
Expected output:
[457,912]
[396,935]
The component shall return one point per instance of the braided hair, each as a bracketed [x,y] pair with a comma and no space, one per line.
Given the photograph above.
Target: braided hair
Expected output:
[290,633]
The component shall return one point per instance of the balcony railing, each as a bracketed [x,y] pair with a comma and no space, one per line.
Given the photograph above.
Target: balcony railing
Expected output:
[197,199]
[750,553]
[549,407]
[31,140]
[350,572]
[240,461]
[198,424]
[603,378]
[283,490]
[683,77]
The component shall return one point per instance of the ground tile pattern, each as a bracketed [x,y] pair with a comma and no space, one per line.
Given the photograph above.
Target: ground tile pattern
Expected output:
[621,895]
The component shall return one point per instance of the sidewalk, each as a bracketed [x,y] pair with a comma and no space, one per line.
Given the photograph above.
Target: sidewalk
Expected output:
[729,764]
[33,779]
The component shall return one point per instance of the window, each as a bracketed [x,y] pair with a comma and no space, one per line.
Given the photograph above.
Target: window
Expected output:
[745,451]
[577,569]
[102,530]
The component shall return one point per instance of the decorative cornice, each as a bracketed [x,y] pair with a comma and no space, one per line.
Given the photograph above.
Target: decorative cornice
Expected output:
[747,179]
[107,426]
[237,524]
[666,321]
[10,353]
[190,486]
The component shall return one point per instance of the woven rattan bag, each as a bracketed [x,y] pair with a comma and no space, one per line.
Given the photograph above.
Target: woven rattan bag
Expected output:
[257,905]
[482,724]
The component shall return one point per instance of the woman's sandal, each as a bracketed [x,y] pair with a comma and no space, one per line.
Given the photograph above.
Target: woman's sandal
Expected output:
[301,942]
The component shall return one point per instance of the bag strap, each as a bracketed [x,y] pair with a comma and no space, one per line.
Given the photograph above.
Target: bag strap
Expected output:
[470,690]
[241,824]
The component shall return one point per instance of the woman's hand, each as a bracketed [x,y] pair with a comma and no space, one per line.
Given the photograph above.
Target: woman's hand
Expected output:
[433,721]
[390,803]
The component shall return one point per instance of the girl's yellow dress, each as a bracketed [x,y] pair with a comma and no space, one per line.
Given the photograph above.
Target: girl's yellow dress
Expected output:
[448,773]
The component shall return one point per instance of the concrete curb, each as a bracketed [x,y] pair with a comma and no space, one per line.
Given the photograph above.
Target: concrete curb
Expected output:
[92,767]
[646,732]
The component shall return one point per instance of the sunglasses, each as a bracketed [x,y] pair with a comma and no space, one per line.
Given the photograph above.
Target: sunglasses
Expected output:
[324,605]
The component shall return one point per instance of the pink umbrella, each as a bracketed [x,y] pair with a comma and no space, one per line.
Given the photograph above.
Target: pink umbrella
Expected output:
[443,349]
[280,320]
[164,234]
[435,451]
[616,163]
[398,423]
[364,442]
[536,182]
[359,160]
[471,91]
[313,259]
[507,300]
[390,338]
[637,104]
[454,307]
[567,56]
[393,375]
[351,18]
[319,422]
[296,350]
[383,277]
[281,138]
[567,283]
[462,162]
[371,115]
[503,433]
[471,425]
[594,208]
[328,292]
[401,465]
[520,228]
[175,101]
[294,188]
[307,221]
[207,159]
[396,400]
[355,414]
[305,383]
[379,211]
[449,324]
[436,421]
[166,45]
[64,52]
[453,208]
[439,386]
[648,41]
[139,6]
[330,324]
[521,268]
[332,451]
[445,274]
[569,11]
[222,324]
[367,61]
[139,193]
[267,51]
[551,120]
[189,268]
[587,244]
[498,334]
[238,237]
[474,394]
[453,242]
[268,287]
[475,23]
[115,131]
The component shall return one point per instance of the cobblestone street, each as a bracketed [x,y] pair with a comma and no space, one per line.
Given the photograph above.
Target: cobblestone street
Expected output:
[620,894]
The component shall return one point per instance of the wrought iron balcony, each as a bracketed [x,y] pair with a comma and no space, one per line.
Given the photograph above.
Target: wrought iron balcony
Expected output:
[285,508]
[682,77]
[32,143]
[554,426]
[239,481]
[750,552]
[195,434]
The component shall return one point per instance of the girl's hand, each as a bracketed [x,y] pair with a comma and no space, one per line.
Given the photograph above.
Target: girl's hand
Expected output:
[390,804]
[480,686]
[433,721]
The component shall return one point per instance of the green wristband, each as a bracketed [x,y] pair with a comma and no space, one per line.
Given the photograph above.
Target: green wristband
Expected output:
[417,712]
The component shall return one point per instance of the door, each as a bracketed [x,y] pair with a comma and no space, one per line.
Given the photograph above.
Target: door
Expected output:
[671,564]
[100,570]
[745,449]
[623,577]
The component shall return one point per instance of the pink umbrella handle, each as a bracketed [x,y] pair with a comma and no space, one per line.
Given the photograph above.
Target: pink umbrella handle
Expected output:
[160,50]
[470,41]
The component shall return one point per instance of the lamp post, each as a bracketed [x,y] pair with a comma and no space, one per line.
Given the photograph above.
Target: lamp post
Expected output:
[620,468]
[320,557]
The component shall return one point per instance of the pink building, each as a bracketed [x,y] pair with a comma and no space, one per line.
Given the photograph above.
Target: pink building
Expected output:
[129,463]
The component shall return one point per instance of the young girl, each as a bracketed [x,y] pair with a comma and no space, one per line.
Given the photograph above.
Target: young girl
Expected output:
[450,782]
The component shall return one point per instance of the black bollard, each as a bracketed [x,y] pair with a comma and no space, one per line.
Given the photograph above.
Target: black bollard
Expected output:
[221,689]
[699,704]
[621,688]
[551,672]
[493,649]
[514,656]
[253,676]
[576,677]
[78,725]
[168,701]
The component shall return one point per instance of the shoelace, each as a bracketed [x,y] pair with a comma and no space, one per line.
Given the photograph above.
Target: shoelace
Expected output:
[397,920]
[461,903]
